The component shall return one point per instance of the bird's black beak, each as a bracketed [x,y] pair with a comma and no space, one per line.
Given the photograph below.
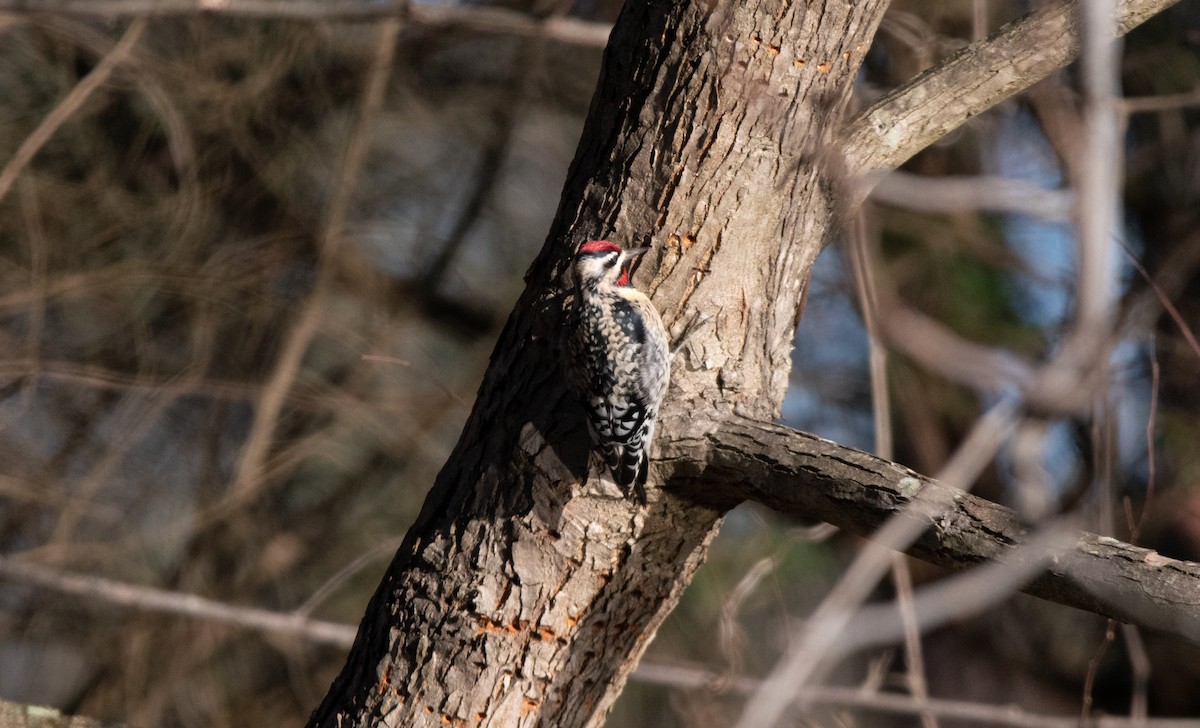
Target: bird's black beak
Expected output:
[637,252]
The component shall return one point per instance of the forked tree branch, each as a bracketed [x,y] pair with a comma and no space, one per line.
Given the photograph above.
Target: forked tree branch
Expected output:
[887,133]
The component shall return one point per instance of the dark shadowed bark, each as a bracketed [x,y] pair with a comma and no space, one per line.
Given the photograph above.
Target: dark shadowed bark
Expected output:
[525,593]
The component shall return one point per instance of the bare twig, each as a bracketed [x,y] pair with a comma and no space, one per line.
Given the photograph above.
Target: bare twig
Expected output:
[971,194]
[914,657]
[955,597]
[1165,301]
[188,605]
[1089,680]
[472,17]
[730,635]
[971,712]
[434,380]
[1099,186]
[484,179]
[69,105]
[133,421]
[1133,523]
[249,475]
[345,573]
[863,261]
[862,265]
[1139,662]
[979,19]
[54,496]
[939,349]
[32,212]
[101,378]
[1165,102]
[825,626]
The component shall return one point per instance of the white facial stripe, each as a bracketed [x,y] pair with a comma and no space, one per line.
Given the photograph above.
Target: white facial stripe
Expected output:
[605,265]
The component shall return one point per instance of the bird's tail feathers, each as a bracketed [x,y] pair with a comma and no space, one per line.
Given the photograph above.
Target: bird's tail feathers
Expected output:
[631,472]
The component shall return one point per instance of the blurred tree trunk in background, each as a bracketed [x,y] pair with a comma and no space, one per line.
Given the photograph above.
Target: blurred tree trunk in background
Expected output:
[521,596]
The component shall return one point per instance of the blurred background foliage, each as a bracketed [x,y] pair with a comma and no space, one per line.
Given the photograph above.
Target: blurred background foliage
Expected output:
[161,246]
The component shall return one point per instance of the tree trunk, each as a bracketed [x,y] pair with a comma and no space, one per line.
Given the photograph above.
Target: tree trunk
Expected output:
[525,593]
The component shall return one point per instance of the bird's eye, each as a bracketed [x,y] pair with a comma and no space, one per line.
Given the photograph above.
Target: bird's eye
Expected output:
[611,261]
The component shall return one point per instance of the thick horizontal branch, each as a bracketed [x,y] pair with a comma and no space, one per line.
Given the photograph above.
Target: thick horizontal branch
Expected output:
[474,17]
[886,134]
[808,477]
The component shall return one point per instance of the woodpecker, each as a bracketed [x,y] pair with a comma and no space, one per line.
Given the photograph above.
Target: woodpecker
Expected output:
[618,360]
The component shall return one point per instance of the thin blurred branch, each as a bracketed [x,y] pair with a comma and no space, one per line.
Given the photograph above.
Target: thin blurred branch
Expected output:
[1093,666]
[939,349]
[971,194]
[136,416]
[188,605]
[690,678]
[914,657]
[1159,292]
[480,18]
[70,104]
[825,626]
[346,573]
[1099,185]
[1165,102]
[98,377]
[979,19]
[487,174]
[38,249]
[730,636]
[1135,523]
[1139,663]
[248,477]
[918,336]
[54,496]
[1054,103]
[862,264]
[958,596]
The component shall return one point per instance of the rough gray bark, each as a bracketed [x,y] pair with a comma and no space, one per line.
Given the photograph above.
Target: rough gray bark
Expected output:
[525,594]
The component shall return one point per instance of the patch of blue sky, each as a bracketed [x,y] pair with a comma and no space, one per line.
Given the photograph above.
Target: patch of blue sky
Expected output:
[1043,290]
[829,394]
[1043,295]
